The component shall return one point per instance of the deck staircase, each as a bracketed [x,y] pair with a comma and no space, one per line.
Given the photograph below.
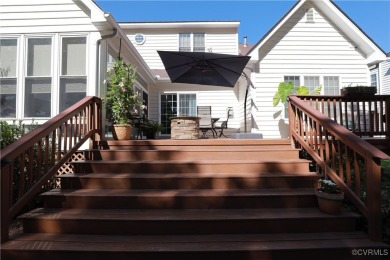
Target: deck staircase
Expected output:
[178,199]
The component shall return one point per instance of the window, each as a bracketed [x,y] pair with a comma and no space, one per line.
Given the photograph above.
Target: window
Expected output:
[73,80]
[139,38]
[374,80]
[176,104]
[38,79]
[8,57]
[331,85]
[311,82]
[295,80]
[185,42]
[197,40]
[199,45]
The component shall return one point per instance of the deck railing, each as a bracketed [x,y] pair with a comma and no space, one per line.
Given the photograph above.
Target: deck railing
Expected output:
[316,124]
[364,115]
[30,163]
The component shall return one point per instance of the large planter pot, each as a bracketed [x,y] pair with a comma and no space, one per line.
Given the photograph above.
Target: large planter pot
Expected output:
[330,203]
[358,91]
[121,131]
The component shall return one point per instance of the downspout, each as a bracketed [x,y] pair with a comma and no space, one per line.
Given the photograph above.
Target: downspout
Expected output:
[98,42]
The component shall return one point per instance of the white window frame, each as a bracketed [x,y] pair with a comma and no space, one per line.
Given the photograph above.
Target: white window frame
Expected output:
[69,76]
[53,74]
[18,94]
[192,43]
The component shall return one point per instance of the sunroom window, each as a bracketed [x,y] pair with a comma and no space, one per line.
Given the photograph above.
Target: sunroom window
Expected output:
[39,78]
[73,79]
[8,80]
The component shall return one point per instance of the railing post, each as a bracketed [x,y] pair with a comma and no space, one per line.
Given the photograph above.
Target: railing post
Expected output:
[374,200]
[5,176]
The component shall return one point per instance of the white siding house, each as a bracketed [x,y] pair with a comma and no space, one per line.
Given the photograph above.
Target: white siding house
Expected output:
[206,36]
[53,53]
[315,43]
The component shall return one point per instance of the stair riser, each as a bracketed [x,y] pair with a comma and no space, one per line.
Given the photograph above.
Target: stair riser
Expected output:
[163,227]
[189,183]
[179,202]
[246,254]
[204,154]
[190,167]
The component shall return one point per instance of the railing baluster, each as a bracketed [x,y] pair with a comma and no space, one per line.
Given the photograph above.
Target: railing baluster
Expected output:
[364,118]
[359,129]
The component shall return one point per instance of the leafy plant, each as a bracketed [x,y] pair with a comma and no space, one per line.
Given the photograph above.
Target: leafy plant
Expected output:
[9,133]
[286,89]
[328,186]
[121,101]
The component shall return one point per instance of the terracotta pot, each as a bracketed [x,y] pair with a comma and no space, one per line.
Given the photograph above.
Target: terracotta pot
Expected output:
[329,203]
[121,131]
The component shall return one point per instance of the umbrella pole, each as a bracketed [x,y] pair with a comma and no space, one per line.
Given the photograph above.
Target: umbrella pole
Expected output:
[246,96]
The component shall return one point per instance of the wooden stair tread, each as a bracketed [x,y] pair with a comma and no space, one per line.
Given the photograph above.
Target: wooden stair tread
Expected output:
[181,192]
[182,215]
[191,175]
[191,243]
[193,162]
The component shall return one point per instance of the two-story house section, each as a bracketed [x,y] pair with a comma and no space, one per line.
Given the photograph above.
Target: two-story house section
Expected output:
[314,44]
[167,99]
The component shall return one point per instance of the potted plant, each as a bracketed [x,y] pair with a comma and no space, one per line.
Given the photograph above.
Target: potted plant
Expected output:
[121,100]
[151,128]
[358,91]
[329,197]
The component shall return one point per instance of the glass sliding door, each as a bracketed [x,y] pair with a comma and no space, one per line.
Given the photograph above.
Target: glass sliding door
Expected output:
[173,105]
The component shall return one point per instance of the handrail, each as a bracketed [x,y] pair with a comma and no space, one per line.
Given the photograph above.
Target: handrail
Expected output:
[341,155]
[29,163]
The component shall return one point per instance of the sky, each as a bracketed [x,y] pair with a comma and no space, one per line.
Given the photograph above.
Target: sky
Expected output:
[256,16]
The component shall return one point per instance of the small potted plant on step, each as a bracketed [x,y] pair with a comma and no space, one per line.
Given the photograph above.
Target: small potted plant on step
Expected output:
[121,100]
[329,197]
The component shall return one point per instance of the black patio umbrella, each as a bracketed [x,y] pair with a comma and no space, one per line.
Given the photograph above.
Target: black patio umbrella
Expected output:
[204,68]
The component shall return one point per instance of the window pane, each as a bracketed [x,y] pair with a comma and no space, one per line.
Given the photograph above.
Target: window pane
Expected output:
[184,42]
[199,44]
[74,56]
[331,85]
[8,50]
[39,57]
[311,82]
[187,105]
[168,110]
[72,90]
[295,81]
[8,98]
[37,98]
[373,80]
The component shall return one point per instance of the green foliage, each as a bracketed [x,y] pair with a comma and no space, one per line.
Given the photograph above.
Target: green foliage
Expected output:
[121,101]
[328,186]
[11,133]
[286,89]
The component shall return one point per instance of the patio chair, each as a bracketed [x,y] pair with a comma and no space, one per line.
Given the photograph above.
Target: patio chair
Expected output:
[205,122]
[222,124]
